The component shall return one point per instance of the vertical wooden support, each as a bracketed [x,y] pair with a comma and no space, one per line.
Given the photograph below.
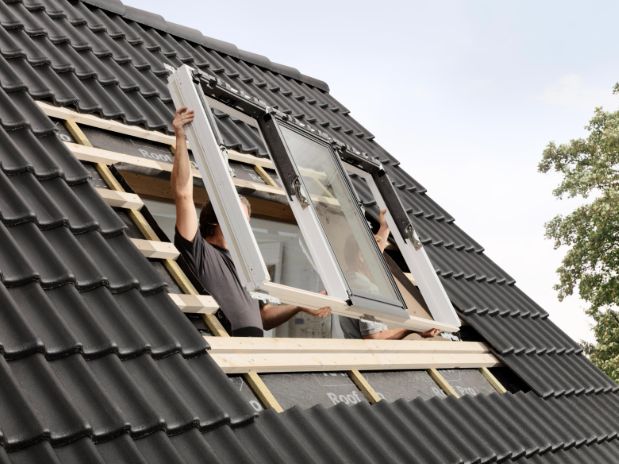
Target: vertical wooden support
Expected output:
[262,391]
[362,384]
[492,380]
[442,382]
[264,175]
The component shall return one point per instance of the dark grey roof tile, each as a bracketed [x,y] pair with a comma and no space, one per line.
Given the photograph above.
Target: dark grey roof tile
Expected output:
[75,209]
[86,267]
[522,334]
[44,84]
[120,450]
[153,328]
[89,396]
[110,267]
[133,400]
[45,257]
[449,262]
[13,208]
[226,446]
[46,398]
[12,79]
[160,395]
[98,332]
[19,424]
[159,449]
[14,267]
[128,256]
[471,296]
[104,217]
[17,338]
[203,398]
[44,319]
[175,323]
[192,447]
[595,453]
[40,452]
[559,374]
[77,452]
[94,98]
[78,12]
[34,155]
[100,323]
[203,367]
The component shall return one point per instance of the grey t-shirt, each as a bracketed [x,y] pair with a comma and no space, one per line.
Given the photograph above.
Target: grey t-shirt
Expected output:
[214,268]
[359,328]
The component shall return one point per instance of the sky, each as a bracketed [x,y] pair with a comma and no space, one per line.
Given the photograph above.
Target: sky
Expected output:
[466,94]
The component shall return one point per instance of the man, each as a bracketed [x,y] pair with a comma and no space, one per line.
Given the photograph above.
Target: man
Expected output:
[203,246]
[362,328]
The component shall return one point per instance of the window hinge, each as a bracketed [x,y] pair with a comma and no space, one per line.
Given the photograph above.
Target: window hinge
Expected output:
[298,192]
[412,236]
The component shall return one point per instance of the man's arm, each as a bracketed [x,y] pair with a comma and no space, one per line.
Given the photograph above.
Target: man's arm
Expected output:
[382,236]
[275,315]
[182,178]
[398,334]
[389,334]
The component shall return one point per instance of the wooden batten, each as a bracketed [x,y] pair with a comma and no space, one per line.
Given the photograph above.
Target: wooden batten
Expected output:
[156,249]
[118,199]
[99,155]
[442,382]
[262,391]
[492,380]
[106,124]
[305,355]
[364,386]
[200,304]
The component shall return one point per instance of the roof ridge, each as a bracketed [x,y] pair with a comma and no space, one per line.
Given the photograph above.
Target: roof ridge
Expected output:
[159,22]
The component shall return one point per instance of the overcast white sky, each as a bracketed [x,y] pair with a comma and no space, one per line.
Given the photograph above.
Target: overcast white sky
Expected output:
[466,94]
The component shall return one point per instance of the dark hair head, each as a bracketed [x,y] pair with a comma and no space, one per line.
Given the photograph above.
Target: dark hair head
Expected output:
[208,219]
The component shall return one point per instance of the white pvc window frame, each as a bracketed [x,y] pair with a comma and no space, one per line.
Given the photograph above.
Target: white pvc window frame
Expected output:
[416,259]
[211,157]
[212,161]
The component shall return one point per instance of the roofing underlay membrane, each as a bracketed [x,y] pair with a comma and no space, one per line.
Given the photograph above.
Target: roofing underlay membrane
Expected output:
[98,365]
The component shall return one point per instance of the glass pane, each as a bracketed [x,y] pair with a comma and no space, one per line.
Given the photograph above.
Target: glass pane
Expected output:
[340,217]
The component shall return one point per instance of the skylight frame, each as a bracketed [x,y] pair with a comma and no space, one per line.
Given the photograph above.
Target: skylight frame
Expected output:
[250,263]
[271,126]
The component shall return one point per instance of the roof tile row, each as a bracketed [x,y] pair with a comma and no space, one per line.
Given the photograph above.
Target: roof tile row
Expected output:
[484,428]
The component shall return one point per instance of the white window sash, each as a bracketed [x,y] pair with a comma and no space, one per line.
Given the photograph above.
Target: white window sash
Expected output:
[212,162]
[417,260]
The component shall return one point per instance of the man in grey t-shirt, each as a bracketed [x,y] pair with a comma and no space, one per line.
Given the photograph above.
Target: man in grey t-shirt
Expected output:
[203,250]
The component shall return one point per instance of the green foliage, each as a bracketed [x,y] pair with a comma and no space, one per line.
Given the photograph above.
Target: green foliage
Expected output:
[605,353]
[590,171]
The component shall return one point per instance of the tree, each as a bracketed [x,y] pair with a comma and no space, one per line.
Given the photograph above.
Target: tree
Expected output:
[590,171]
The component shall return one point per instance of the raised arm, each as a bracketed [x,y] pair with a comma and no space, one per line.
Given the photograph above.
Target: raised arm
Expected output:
[182,179]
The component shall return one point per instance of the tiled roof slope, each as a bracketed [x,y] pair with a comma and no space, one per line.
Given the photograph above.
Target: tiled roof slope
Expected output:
[97,365]
[92,349]
[77,55]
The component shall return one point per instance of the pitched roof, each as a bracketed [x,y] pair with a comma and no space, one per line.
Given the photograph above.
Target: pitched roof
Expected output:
[97,363]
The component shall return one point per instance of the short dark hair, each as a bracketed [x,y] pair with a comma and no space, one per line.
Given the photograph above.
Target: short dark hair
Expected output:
[208,218]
